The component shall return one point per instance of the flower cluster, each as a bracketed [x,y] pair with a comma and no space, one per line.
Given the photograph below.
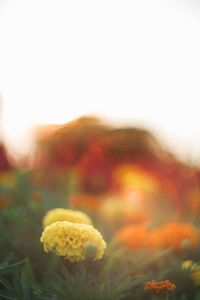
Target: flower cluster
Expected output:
[174,235]
[171,235]
[61,214]
[158,287]
[70,239]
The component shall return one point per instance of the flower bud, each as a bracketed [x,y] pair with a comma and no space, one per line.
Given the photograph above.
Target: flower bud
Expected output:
[90,251]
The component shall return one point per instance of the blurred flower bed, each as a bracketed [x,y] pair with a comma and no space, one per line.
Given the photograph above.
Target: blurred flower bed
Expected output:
[99,212]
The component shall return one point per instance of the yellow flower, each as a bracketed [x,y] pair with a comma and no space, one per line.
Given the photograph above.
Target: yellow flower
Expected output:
[130,175]
[61,214]
[196,277]
[194,269]
[186,264]
[71,240]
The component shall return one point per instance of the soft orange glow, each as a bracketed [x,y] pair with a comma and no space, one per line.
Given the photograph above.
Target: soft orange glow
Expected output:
[170,235]
[119,210]
[132,236]
[85,201]
[133,176]
[174,235]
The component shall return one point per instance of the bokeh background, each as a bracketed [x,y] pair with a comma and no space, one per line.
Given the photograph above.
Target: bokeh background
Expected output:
[133,62]
[99,112]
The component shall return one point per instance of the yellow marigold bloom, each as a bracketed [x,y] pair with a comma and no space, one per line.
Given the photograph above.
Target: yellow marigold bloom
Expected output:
[71,240]
[61,214]
[158,287]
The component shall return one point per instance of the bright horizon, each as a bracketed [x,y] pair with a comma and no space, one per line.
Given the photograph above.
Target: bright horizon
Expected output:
[128,61]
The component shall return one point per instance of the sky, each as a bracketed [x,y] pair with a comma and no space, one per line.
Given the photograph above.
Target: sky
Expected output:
[132,62]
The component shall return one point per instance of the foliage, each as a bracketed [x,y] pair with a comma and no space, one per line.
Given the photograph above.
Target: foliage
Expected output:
[27,273]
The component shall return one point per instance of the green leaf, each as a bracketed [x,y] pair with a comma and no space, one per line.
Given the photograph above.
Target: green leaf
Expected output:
[5,283]
[5,263]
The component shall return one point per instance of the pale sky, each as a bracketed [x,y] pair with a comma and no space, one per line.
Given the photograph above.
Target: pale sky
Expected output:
[130,61]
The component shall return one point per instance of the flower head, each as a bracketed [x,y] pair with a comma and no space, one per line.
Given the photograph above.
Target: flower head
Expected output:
[61,214]
[71,239]
[174,235]
[158,287]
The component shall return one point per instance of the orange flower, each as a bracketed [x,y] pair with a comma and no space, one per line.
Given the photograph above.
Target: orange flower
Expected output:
[132,236]
[174,235]
[85,201]
[158,287]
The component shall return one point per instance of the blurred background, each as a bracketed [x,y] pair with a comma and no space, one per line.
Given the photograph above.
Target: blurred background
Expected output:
[103,97]
[132,63]
[99,112]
